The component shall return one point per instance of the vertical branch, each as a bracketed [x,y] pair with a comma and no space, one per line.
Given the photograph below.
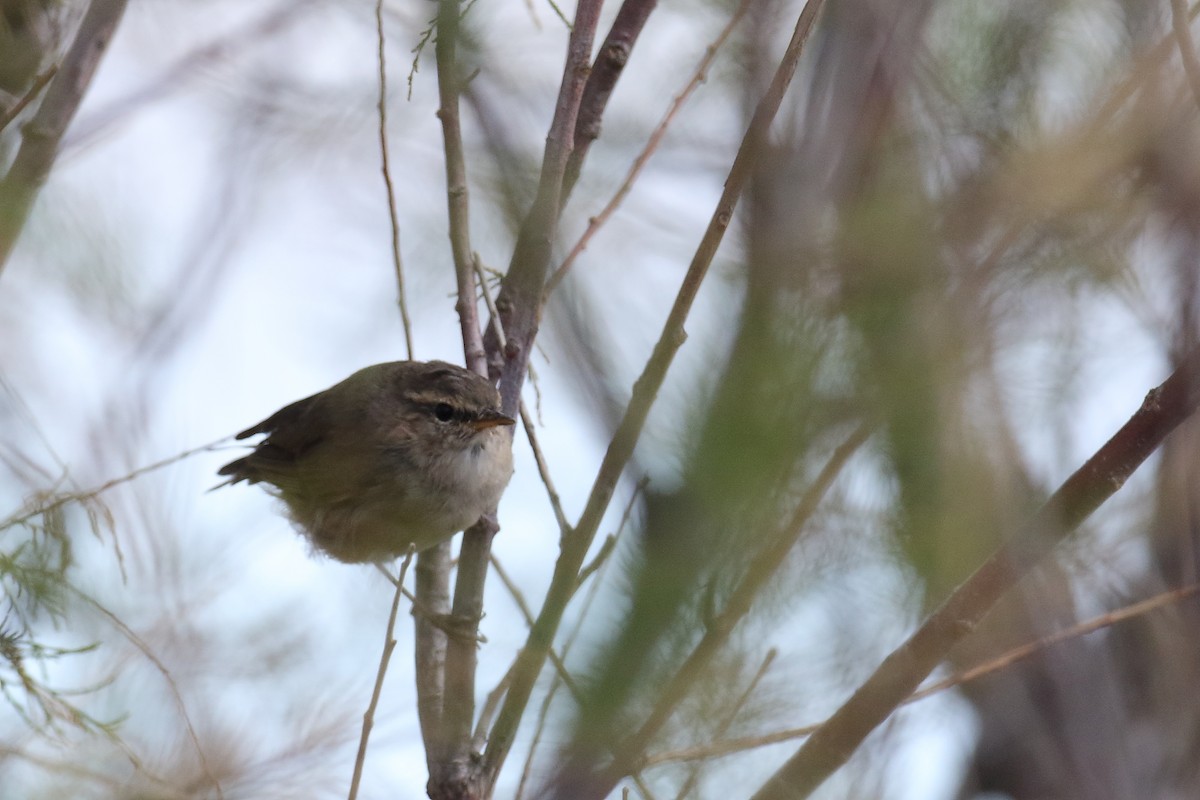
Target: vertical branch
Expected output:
[520,296]
[645,390]
[652,143]
[452,768]
[610,63]
[389,644]
[387,181]
[1181,25]
[457,198]
[42,135]
[433,597]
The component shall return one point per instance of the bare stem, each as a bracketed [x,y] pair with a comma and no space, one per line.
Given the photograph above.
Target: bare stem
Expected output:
[385,167]
[457,196]
[41,137]
[389,644]
[652,144]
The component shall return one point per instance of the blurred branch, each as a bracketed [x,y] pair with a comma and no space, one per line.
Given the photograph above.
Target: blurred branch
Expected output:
[39,83]
[1181,26]
[652,144]
[385,167]
[598,565]
[389,644]
[731,746]
[610,63]
[41,136]
[689,785]
[519,598]
[1164,408]
[645,390]
[719,629]
[175,77]
[141,645]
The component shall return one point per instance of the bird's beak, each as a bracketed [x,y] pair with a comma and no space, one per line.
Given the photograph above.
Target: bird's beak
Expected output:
[490,419]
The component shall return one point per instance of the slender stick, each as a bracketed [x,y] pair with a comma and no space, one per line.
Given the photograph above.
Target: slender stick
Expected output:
[1181,25]
[652,144]
[457,195]
[389,644]
[645,390]
[385,167]
[520,299]
[610,63]
[898,676]
[34,90]
[39,145]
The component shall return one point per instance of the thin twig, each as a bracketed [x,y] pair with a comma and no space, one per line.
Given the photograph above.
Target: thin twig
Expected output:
[645,390]
[490,705]
[457,195]
[34,90]
[588,599]
[652,144]
[389,644]
[1181,25]
[23,516]
[41,136]
[385,167]
[610,63]
[141,645]
[741,744]
[723,726]
[519,598]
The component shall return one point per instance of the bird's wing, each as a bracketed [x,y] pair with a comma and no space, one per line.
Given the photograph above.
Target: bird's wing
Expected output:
[291,432]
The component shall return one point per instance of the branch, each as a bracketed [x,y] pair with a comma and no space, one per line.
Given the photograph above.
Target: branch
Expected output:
[1164,408]
[693,778]
[520,299]
[42,134]
[639,163]
[457,198]
[645,390]
[34,90]
[610,63]
[389,644]
[1181,25]
[429,648]
[385,168]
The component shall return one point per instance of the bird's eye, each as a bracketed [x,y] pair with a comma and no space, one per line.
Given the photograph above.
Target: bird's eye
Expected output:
[444,412]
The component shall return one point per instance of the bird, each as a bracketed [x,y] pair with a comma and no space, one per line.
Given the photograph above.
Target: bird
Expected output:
[399,456]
